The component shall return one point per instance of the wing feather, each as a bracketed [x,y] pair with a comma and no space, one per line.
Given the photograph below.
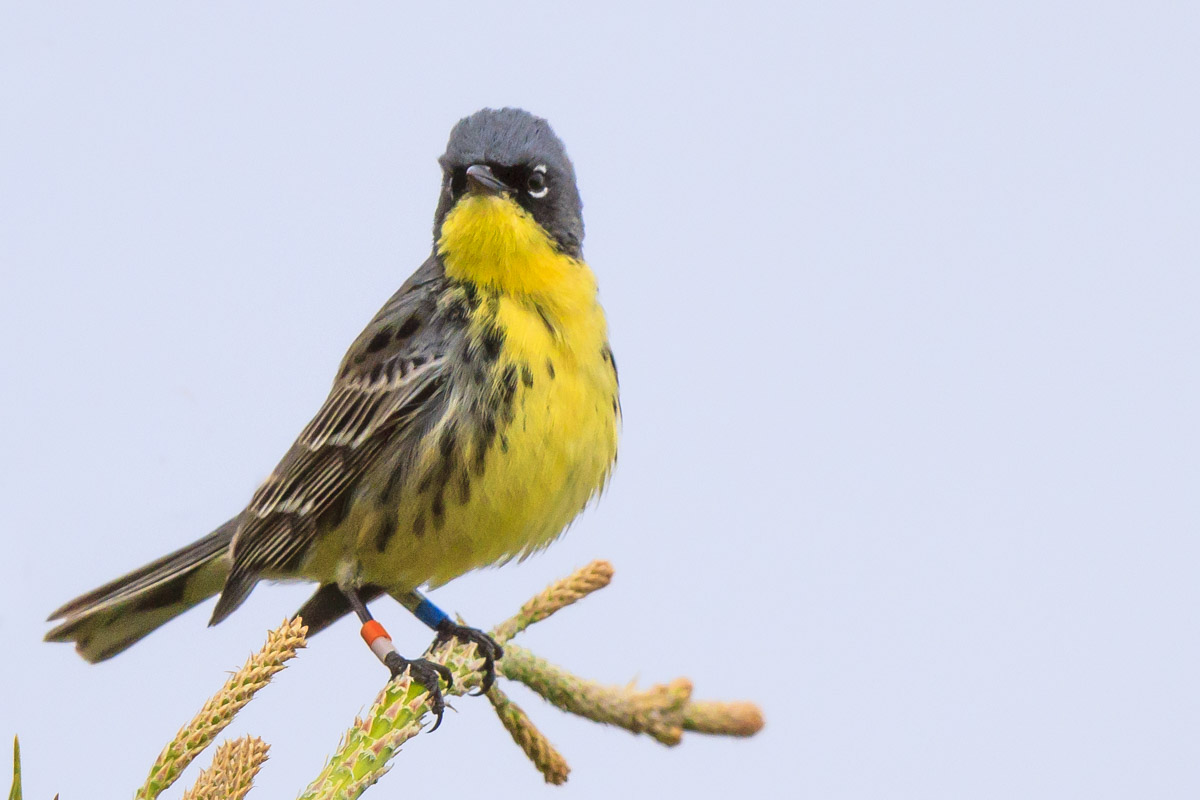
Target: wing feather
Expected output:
[317,471]
[392,375]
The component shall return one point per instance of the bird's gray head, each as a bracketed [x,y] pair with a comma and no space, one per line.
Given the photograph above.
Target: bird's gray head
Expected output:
[510,151]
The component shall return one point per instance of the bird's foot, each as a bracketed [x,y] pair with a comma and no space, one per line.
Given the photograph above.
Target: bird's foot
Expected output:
[425,673]
[485,645]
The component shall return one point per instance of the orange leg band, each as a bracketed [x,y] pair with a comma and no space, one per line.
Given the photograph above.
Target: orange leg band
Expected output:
[372,630]
[378,640]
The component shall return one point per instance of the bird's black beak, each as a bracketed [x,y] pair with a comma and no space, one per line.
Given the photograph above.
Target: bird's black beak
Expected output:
[481,180]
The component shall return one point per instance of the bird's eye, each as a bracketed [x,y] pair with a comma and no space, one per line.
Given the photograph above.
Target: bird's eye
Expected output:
[535,184]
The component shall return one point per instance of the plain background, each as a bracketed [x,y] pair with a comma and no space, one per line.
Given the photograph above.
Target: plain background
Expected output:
[905,303]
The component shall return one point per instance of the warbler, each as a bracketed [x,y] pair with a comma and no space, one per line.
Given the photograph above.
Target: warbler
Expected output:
[468,424]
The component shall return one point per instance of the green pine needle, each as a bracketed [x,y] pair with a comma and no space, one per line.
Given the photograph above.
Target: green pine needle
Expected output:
[15,793]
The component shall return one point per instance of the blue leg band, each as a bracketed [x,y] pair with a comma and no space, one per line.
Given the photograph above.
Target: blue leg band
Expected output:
[430,614]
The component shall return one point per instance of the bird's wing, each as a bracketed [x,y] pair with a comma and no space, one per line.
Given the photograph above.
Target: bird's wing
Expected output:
[392,375]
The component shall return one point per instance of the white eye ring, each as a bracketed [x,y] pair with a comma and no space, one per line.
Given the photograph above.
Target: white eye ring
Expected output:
[545,190]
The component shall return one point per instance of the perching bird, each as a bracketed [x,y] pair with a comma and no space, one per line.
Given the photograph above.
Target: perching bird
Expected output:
[470,422]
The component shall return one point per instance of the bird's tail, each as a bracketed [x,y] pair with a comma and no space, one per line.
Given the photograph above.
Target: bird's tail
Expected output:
[107,620]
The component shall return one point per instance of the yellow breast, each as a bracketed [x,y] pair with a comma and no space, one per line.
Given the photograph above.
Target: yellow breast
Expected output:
[523,448]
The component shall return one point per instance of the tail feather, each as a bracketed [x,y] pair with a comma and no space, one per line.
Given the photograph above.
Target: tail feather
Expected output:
[109,619]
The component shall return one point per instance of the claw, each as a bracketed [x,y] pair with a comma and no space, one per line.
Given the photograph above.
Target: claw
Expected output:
[485,645]
[427,674]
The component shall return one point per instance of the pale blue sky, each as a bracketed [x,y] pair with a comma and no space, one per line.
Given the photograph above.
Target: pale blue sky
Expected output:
[905,302]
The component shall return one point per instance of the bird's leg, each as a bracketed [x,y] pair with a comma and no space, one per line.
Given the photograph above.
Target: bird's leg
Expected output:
[447,629]
[420,670]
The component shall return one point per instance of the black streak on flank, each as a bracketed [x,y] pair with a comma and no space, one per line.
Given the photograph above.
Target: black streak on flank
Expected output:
[508,387]
[526,375]
[487,424]
[550,368]
[409,327]
[493,341]
[418,526]
[607,354]
[387,527]
[480,462]
[464,487]
[438,508]
[472,295]
[546,320]
[379,341]
[447,441]
[462,299]
[457,309]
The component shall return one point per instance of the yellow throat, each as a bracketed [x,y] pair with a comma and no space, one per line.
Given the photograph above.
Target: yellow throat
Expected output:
[494,243]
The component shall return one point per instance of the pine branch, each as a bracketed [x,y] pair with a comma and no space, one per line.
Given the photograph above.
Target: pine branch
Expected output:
[232,771]
[663,712]
[531,741]
[220,709]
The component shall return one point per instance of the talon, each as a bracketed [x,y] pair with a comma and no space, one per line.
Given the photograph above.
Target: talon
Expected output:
[443,672]
[485,645]
[427,674]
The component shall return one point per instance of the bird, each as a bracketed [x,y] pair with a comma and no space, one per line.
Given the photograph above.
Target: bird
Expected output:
[472,420]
